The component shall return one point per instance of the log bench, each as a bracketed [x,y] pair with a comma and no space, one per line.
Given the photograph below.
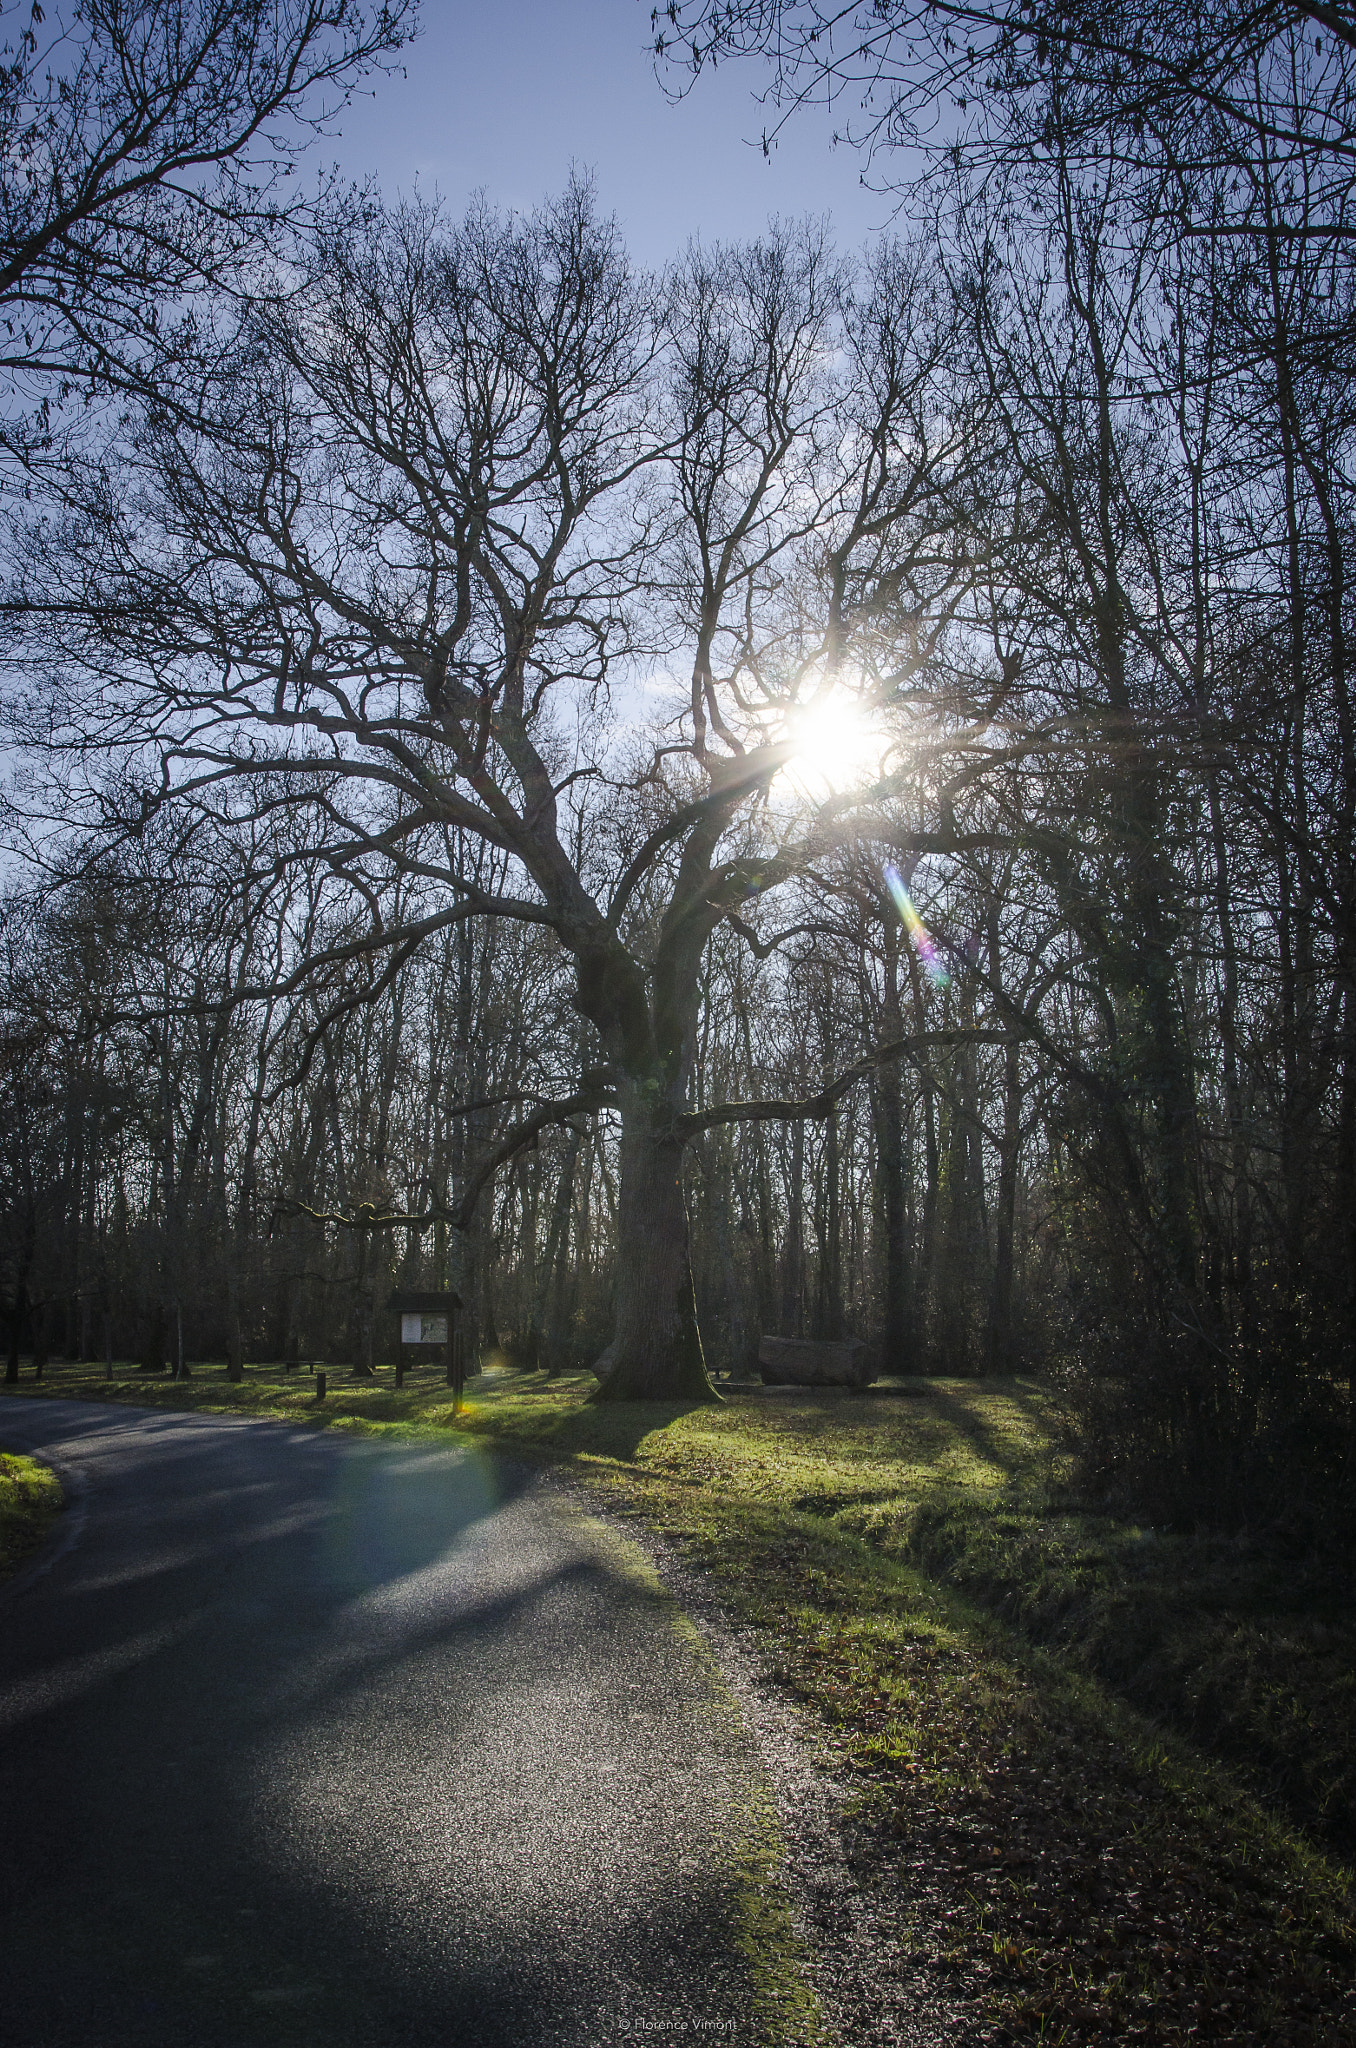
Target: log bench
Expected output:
[811,1362]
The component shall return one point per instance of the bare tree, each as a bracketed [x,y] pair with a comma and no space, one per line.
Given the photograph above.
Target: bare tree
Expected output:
[932,72]
[446,498]
[142,148]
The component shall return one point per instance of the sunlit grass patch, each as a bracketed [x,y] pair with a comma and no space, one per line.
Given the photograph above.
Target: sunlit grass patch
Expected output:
[1077,1871]
[30,1500]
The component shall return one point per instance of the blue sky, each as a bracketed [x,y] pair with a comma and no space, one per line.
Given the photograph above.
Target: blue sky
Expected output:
[506,96]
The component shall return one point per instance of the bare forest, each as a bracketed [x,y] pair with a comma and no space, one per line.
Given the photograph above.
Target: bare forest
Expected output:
[803,793]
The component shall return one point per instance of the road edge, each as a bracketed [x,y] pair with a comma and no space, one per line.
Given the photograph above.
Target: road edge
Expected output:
[74,1482]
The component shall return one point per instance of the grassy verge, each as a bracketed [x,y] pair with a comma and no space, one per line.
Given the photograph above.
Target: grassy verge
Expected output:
[972,1646]
[30,1499]
[1248,1651]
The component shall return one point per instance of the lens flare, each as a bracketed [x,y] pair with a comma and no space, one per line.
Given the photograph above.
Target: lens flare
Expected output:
[920,938]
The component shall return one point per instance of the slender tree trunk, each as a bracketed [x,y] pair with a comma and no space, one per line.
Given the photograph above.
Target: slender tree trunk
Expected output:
[363,1308]
[1346,1177]
[235,1349]
[153,1359]
[544,1341]
[1240,1231]
[831,1245]
[12,1346]
[898,1354]
[793,1266]
[41,1329]
[999,1334]
[725,1229]
[924,1301]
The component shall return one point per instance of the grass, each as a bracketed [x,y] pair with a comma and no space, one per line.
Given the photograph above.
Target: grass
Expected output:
[30,1500]
[1025,1695]
[1247,1650]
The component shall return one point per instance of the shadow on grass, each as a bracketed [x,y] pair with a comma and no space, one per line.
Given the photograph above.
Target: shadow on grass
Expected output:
[1013,1456]
[555,1415]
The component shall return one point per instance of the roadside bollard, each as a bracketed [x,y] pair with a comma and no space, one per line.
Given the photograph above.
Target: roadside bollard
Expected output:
[320,1386]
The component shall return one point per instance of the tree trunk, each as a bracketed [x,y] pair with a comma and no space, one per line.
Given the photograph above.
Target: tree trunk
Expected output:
[235,1348]
[829,1300]
[16,1333]
[999,1336]
[793,1264]
[898,1354]
[41,1328]
[924,1303]
[153,1357]
[364,1306]
[656,1350]
[734,1309]
[544,1342]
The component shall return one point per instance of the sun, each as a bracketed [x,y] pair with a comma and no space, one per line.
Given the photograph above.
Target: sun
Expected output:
[840,744]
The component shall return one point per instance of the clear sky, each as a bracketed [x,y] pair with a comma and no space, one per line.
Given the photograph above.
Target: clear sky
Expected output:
[506,94]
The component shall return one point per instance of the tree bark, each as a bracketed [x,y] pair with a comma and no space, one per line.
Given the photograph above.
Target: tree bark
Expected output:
[545,1342]
[656,1350]
[235,1348]
[830,1296]
[999,1335]
[793,1262]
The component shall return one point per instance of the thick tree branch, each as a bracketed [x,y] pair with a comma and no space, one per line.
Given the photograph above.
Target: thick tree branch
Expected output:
[522,1134]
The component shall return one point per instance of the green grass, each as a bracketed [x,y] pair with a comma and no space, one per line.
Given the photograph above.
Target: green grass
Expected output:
[980,1657]
[1249,1652]
[30,1500]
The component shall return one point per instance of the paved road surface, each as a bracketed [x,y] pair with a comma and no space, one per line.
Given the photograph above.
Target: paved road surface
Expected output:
[307,1740]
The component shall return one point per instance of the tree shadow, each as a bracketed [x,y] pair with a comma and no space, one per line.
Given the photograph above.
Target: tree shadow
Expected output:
[421,1765]
[616,1429]
[993,1443]
[221,1504]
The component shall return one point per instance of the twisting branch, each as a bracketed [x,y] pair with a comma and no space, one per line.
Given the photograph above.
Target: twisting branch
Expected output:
[761,948]
[523,1134]
[782,1109]
[736,782]
[365,1216]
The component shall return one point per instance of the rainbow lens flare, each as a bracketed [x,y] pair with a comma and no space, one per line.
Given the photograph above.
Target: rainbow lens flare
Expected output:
[920,938]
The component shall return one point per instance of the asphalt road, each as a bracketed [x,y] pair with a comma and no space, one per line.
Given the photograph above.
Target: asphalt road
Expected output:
[310,1740]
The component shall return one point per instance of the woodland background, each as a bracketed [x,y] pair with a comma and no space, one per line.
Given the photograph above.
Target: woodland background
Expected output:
[1117,783]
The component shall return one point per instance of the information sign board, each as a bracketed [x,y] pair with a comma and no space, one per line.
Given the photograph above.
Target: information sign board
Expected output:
[423,1329]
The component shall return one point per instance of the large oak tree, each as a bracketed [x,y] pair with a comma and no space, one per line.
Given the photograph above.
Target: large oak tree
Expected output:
[457,509]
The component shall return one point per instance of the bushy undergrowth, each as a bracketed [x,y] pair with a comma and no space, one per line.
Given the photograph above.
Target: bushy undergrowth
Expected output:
[1232,1416]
